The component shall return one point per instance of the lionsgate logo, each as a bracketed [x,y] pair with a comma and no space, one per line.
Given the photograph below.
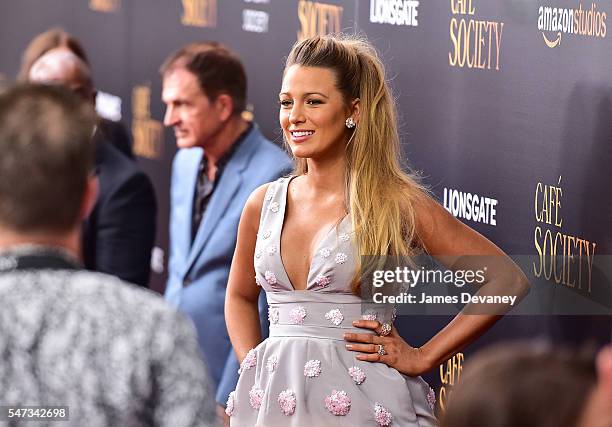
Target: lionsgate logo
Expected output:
[472,207]
[554,22]
[394,12]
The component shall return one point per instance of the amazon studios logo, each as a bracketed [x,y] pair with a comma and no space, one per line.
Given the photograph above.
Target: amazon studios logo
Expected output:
[587,21]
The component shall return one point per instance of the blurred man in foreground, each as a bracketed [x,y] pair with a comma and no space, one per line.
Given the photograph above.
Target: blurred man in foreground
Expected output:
[113,354]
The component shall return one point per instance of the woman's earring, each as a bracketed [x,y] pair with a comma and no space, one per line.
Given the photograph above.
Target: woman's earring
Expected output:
[350,123]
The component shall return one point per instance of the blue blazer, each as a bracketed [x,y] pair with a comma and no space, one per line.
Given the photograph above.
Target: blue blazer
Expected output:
[198,272]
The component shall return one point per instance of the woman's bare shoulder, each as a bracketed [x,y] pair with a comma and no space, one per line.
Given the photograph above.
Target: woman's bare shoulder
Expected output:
[255,201]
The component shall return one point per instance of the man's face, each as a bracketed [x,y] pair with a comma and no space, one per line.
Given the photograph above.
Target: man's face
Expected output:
[61,67]
[195,119]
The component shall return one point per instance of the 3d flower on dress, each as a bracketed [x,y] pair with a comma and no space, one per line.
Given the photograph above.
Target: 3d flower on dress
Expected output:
[255,397]
[322,281]
[431,398]
[382,416]
[272,363]
[270,277]
[344,237]
[273,314]
[325,252]
[312,368]
[272,249]
[257,281]
[267,234]
[274,207]
[297,315]
[229,406]
[249,361]
[357,374]
[286,401]
[335,316]
[338,403]
[258,253]
[369,314]
[341,258]
[270,193]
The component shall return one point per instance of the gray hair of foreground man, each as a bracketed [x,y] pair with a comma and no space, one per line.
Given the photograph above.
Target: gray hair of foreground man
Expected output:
[45,141]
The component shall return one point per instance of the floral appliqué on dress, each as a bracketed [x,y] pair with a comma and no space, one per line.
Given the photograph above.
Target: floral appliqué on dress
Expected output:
[272,363]
[250,361]
[286,401]
[273,315]
[322,281]
[255,397]
[357,374]
[270,277]
[338,403]
[297,315]
[431,398]
[312,368]
[382,416]
[341,258]
[229,406]
[335,316]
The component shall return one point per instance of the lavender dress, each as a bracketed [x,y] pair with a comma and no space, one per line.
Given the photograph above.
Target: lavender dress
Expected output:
[302,375]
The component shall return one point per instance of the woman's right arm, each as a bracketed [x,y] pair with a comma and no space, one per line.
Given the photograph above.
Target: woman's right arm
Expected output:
[241,310]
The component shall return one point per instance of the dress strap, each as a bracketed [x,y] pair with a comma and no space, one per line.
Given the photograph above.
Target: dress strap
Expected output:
[274,201]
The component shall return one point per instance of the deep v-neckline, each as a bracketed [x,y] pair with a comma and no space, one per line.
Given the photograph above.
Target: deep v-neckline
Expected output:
[318,247]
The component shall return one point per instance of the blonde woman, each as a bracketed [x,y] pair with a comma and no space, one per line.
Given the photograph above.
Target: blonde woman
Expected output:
[348,197]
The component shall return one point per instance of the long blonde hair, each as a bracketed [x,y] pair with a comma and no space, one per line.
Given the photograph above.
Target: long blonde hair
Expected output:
[379,194]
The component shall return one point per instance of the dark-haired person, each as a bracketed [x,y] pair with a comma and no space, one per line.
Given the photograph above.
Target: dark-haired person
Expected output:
[532,383]
[347,200]
[112,132]
[119,234]
[110,353]
[222,158]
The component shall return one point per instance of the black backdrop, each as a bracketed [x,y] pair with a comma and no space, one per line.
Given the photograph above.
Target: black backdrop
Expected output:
[506,100]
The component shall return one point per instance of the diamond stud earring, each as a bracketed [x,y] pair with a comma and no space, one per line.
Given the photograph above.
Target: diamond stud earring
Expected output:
[350,123]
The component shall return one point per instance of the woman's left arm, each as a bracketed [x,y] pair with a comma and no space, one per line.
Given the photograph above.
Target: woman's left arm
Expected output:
[456,246]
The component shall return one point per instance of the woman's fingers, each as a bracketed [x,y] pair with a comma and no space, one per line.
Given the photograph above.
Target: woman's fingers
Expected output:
[365,338]
[382,329]
[364,348]
[371,357]
[367,324]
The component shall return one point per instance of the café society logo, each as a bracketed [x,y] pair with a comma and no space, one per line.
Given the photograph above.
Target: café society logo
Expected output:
[105,5]
[554,22]
[450,374]
[317,19]
[147,133]
[476,42]
[199,13]
[563,257]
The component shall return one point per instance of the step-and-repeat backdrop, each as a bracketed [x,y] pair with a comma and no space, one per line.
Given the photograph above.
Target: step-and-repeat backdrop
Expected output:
[505,107]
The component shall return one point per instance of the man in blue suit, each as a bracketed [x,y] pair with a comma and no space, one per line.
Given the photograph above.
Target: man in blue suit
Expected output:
[222,158]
